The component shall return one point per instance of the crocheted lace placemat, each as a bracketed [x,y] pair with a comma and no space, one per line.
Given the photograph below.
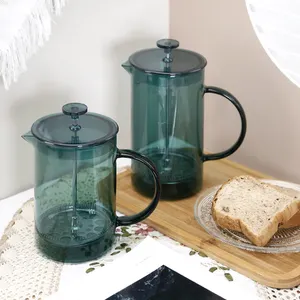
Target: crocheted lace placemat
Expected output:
[25,273]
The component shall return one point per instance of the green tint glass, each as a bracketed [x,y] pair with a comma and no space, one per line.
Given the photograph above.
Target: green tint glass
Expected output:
[168,118]
[166,128]
[75,184]
[63,226]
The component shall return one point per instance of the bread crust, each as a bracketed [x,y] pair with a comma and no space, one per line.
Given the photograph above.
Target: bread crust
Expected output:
[295,220]
[222,220]
[236,224]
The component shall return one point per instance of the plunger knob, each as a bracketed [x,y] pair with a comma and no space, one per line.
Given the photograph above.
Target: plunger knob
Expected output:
[74,110]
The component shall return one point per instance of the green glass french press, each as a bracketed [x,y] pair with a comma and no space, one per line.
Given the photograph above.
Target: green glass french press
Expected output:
[168,118]
[75,183]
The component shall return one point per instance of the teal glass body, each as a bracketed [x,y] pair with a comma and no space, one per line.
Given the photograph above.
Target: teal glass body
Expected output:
[167,127]
[162,110]
[96,203]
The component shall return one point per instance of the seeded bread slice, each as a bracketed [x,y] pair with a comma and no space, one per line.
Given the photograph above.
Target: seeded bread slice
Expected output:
[256,209]
[294,221]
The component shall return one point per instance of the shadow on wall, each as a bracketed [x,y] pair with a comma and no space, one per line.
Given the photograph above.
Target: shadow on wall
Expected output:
[23,113]
[121,81]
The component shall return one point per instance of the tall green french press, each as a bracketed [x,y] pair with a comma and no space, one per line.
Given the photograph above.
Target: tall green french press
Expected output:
[167,118]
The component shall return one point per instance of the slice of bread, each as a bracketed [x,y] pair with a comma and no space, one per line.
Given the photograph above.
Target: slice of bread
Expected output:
[294,221]
[256,209]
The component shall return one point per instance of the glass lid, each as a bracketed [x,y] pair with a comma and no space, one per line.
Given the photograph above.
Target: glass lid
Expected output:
[75,127]
[168,59]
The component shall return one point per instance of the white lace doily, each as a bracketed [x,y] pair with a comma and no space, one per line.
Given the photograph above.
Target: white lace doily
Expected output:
[25,273]
[267,293]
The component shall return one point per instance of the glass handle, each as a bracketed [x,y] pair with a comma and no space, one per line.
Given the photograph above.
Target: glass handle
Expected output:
[238,106]
[128,220]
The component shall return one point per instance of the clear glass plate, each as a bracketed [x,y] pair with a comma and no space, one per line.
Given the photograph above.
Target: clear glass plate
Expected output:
[285,240]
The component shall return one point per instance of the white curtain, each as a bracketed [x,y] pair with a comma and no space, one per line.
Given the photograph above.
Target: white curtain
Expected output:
[25,25]
[277,26]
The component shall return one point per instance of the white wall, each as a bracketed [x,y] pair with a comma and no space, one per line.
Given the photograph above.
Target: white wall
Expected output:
[236,61]
[81,62]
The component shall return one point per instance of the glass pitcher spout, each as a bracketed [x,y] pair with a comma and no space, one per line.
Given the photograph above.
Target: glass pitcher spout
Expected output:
[127,66]
[28,137]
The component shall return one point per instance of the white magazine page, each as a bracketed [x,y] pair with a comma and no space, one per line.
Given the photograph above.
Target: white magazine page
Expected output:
[144,259]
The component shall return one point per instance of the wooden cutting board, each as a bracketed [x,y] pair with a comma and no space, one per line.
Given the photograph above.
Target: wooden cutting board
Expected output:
[176,220]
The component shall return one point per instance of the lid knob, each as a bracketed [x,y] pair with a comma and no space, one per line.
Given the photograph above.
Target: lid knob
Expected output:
[167,44]
[74,109]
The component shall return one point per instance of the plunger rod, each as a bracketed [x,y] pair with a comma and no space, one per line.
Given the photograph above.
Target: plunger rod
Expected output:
[74,195]
[74,110]
[167,123]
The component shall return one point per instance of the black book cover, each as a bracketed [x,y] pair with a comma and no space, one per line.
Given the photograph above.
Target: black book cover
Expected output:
[166,284]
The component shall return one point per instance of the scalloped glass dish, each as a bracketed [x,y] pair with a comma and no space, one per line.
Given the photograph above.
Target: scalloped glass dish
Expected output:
[285,240]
